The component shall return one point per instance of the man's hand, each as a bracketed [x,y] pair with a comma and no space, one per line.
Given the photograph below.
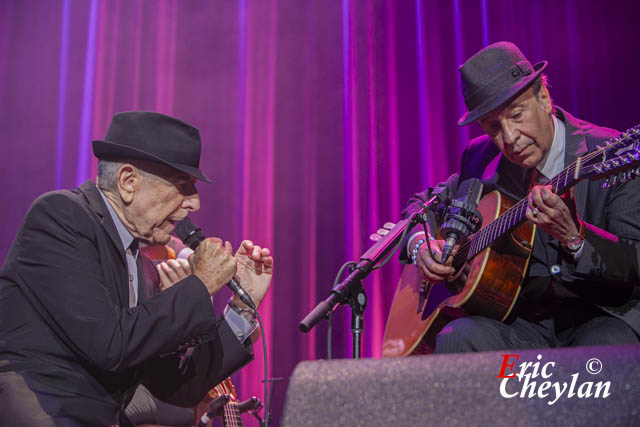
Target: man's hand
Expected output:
[255,269]
[555,215]
[172,271]
[430,269]
[213,264]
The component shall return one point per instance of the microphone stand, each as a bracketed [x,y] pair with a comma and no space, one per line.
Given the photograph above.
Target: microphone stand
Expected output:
[350,290]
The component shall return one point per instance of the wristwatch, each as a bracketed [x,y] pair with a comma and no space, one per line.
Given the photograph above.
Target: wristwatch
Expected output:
[574,243]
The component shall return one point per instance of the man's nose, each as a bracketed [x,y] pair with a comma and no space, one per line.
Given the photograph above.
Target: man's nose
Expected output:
[192,202]
[510,133]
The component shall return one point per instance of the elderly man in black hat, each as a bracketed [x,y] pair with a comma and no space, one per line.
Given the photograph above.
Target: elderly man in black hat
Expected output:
[578,288]
[82,322]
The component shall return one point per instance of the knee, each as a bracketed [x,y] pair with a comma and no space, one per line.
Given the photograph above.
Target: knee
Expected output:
[461,336]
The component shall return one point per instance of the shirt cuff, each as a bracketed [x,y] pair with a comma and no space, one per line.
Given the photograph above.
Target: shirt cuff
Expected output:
[240,326]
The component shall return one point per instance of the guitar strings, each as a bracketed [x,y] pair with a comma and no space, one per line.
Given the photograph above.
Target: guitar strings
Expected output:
[516,210]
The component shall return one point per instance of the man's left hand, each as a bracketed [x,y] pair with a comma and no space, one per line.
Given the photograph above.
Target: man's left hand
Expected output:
[554,214]
[172,271]
[255,269]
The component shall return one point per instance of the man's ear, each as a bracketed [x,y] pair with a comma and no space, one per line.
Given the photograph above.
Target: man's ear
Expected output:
[545,99]
[128,182]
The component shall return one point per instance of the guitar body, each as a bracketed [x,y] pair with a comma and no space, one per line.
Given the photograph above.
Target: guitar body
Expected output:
[421,310]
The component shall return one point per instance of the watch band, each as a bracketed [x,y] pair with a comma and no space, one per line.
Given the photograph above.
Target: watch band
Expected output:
[574,243]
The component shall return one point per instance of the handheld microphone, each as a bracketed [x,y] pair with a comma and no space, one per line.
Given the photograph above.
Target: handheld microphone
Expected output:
[191,235]
[462,217]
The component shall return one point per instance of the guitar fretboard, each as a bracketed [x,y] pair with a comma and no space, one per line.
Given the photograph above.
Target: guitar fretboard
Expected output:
[594,164]
[231,415]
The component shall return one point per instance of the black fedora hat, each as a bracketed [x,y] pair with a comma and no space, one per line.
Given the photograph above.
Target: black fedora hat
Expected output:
[152,136]
[493,76]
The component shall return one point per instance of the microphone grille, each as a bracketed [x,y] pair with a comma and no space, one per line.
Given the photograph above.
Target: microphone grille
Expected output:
[189,232]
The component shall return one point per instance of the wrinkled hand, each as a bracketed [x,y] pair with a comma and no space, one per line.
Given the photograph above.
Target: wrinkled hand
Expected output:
[255,269]
[555,215]
[213,264]
[172,271]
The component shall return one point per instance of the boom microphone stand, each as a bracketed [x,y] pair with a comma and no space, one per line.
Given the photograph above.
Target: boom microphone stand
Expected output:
[350,290]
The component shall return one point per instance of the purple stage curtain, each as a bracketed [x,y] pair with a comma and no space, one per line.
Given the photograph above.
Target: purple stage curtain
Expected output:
[319,118]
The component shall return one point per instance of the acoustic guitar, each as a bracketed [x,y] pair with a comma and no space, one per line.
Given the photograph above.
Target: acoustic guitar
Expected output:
[497,256]
[230,410]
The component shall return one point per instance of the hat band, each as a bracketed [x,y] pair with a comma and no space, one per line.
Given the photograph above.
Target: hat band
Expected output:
[507,78]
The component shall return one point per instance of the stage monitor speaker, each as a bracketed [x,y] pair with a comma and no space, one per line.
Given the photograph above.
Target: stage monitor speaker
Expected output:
[583,386]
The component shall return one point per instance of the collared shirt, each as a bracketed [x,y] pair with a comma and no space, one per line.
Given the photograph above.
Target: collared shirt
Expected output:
[241,327]
[553,163]
[131,250]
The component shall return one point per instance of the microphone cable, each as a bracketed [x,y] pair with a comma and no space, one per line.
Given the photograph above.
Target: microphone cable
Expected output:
[267,399]
[351,265]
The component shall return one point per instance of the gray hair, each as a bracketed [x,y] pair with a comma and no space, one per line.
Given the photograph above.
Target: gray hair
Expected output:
[108,173]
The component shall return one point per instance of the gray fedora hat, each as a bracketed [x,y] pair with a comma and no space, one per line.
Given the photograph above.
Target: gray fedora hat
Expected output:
[152,136]
[493,76]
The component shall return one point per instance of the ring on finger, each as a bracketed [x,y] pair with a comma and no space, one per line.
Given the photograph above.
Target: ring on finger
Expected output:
[534,211]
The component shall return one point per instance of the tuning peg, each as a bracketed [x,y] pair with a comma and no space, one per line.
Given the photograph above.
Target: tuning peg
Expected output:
[614,180]
[605,184]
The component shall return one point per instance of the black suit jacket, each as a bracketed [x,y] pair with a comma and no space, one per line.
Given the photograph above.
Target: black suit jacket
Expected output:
[67,331]
[606,273]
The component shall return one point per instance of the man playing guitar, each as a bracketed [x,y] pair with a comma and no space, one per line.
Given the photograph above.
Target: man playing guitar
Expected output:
[577,286]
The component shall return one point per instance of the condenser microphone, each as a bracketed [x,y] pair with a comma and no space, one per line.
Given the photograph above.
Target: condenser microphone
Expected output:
[462,217]
[191,235]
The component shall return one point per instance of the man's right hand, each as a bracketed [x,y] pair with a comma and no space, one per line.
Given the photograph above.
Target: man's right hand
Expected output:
[213,264]
[430,269]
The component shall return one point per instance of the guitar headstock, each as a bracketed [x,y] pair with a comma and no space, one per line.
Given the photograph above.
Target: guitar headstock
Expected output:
[618,159]
[225,387]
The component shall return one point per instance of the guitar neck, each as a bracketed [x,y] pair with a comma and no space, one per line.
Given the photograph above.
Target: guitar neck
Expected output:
[515,216]
[231,415]
[618,154]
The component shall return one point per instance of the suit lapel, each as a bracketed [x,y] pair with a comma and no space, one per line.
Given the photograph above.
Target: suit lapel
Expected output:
[511,179]
[97,206]
[575,146]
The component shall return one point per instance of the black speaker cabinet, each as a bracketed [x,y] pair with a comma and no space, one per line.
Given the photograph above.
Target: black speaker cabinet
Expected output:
[583,386]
